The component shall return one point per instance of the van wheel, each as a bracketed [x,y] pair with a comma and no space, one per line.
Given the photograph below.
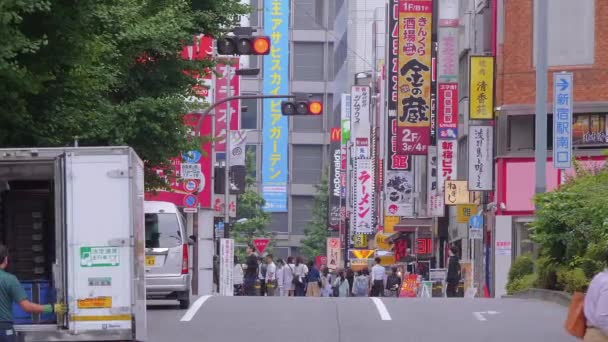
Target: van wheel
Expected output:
[184,304]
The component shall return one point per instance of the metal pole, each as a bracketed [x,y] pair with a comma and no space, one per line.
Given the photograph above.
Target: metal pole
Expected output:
[227,160]
[541,46]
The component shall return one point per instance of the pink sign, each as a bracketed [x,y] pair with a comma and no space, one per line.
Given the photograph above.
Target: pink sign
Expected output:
[413,140]
[447,115]
[223,89]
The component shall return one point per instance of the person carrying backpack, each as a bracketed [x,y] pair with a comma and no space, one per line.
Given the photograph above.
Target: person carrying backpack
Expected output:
[361,284]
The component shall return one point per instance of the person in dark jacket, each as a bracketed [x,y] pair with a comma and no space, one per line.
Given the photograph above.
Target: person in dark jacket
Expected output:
[453,276]
[393,283]
[251,272]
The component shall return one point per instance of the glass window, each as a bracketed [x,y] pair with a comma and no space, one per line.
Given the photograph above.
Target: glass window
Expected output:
[279,223]
[308,14]
[302,213]
[331,72]
[332,15]
[249,119]
[307,164]
[252,152]
[308,61]
[162,231]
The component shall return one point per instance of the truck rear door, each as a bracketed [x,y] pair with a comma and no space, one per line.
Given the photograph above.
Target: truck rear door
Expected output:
[100,253]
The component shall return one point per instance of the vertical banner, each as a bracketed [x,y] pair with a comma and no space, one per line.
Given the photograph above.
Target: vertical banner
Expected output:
[393,56]
[562,120]
[448,64]
[481,91]
[335,180]
[434,188]
[448,111]
[480,158]
[226,267]
[414,81]
[345,138]
[226,84]
[360,121]
[395,160]
[433,141]
[334,260]
[449,13]
[275,133]
[238,142]
[447,151]
[399,193]
[364,196]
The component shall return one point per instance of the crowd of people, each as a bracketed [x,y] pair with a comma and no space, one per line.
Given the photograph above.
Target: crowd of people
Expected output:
[295,277]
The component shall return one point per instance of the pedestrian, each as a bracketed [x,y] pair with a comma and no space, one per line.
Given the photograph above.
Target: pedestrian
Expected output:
[595,308]
[251,272]
[350,276]
[325,282]
[271,276]
[216,274]
[299,277]
[454,273]
[280,276]
[393,283]
[361,286]
[378,278]
[11,292]
[237,277]
[313,279]
[288,277]
[262,276]
[340,285]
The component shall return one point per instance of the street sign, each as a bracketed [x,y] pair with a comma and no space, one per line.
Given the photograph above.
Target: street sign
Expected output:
[562,120]
[191,185]
[475,234]
[190,201]
[476,222]
[261,244]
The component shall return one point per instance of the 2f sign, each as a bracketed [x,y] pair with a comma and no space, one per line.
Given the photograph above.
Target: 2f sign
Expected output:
[413,140]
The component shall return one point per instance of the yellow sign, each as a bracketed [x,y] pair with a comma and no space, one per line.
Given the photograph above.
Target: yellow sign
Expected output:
[481,88]
[456,192]
[382,242]
[390,222]
[464,212]
[150,260]
[361,253]
[95,303]
[414,79]
[360,240]
[387,260]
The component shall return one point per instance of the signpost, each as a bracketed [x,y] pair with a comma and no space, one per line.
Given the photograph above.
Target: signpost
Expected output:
[261,244]
[226,267]
[562,120]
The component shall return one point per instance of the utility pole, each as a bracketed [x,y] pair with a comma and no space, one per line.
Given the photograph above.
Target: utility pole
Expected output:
[541,47]
[229,70]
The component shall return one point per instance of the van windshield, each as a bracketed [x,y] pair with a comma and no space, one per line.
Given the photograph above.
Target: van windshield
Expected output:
[162,231]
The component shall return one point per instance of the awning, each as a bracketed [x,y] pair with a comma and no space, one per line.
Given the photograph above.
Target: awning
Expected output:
[413,224]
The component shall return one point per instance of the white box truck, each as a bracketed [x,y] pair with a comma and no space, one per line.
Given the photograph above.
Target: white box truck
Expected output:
[73,220]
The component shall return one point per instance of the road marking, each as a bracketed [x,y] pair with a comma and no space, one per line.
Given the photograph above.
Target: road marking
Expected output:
[194,308]
[479,316]
[381,309]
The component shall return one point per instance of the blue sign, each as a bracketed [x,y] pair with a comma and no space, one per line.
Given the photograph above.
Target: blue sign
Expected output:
[190,201]
[219,225]
[191,156]
[275,131]
[562,120]
[476,222]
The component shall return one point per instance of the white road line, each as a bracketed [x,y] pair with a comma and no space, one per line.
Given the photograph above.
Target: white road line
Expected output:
[194,308]
[381,309]
[479,316]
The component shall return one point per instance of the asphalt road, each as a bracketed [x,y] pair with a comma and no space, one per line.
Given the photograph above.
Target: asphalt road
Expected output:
[270,319]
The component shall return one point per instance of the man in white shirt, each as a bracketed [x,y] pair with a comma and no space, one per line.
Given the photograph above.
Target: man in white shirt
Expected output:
[271,276]
[378,277]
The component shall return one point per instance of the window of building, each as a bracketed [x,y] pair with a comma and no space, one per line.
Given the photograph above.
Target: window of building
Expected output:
[252,152]
[308,60]
[249,119]
[279,223]
[280,253]
[332,15]
[309,123]
[308,14]
[571,32]
[521,133]
[331,72]
[302,213]
[307,164]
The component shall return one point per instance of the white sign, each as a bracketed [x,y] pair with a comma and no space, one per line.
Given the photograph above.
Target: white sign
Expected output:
[435,189]
[360,120]
[218,205]
[448,54]
[238,142]
[447,156]
[438,274]
[226,267]
[562,120]
[346,106]
[364,196]
[334,253]
[503,247]
[449,13]
[475,234]
[399,193]
[481,159]
[191,171]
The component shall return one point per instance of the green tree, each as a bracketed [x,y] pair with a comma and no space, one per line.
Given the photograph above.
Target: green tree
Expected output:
[317,232]
[105,72]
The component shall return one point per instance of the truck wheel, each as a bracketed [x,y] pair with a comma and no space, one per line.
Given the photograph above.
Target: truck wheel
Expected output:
[184,304]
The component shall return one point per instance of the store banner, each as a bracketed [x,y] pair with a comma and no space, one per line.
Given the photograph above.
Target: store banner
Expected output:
[395,160]
[335,179]
[238,142]
[481,88]
[435,188]
[344,153]
[448,63]
[447,153]
[364,197]
[464,212]
[226,267]
[334,253]
[589,129]
[456,192]
[481,158]
[275,132]
[226,84]
[448,111]
[399,192]
[201,49]
[218,205]
[449,13]
[393,55]
[433,141]
[360,121]
[414,81]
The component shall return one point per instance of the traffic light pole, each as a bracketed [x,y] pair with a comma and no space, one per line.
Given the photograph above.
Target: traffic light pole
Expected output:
[227,157]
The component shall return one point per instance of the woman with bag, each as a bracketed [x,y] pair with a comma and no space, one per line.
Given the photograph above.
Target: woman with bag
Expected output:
[299,277]
[341,287]
[288,276]
[591,321]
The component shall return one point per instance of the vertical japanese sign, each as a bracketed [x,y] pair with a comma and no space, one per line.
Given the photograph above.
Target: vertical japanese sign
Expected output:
[562,120]
[360,121]
[393,57]
[481,90]
[414,81]
[226,85]
[396,161]
[345,138]
[448,63]
[226,267]
[334,260]
[335,179]
[480,157]
[448,111]
[201,49]
[447,152]
[434,188]
[449,13]
[275,131]
[364,196]
[399,193]
[238,143]
[456,192]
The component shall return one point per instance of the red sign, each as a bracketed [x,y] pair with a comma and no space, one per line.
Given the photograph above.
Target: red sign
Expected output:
[261,244]
[222,91]
[400,249]
[409,287]
[424,246]
[448,111]
[335,134]
[320,260]
[413,140]
[396,161]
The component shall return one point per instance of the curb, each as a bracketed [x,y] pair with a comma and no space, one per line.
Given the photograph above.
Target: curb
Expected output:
[557,297]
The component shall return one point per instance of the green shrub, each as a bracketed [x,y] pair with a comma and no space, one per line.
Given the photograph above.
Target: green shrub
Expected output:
[521,284]
[522,266]
[572,280]
[546,270]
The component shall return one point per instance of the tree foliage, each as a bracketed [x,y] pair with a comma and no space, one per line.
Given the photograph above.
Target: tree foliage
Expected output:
[103,72]
[317,232]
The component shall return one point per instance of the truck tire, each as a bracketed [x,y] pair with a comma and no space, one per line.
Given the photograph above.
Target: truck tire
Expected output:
[184,304]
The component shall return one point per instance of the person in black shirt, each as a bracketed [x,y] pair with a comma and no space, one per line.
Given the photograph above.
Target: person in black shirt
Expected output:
[251,273]
[453,276]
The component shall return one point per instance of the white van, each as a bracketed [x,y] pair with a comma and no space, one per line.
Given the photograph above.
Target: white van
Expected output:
[167,269]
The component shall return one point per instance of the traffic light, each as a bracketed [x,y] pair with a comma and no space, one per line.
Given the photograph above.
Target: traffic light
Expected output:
[301,108]
[243,45]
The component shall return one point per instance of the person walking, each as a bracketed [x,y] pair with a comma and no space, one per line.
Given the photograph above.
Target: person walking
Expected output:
[280,276]
[11,292]
[313,287]
[288,277]
[454,273]
[216,274]
[340,285]
[393,283]
[361,286]
[595,308]
[350,276]
[237,277]
[378,278]
[251,272]
[325,282]
[299,277]
[262,276]
[271,276]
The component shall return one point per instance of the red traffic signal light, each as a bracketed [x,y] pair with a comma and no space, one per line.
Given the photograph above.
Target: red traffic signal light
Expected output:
[243,45]
[315,107]
[261,45]
[301,107]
